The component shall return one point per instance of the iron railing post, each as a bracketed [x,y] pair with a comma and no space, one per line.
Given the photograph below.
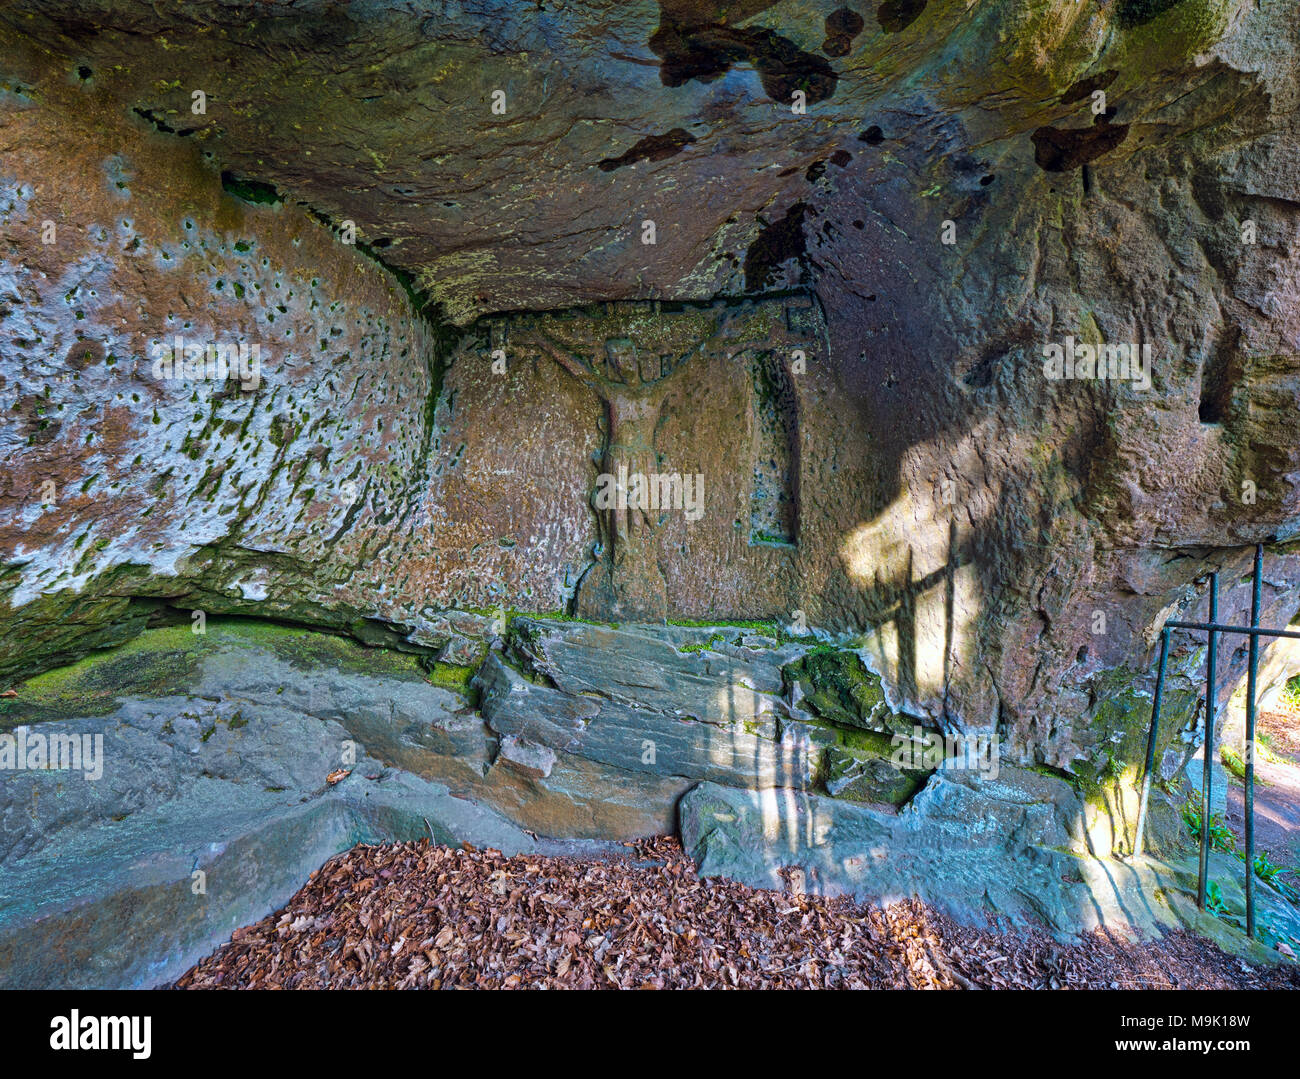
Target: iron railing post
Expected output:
[1213,627]
[1208,749]
[1251,677]
[1151,742]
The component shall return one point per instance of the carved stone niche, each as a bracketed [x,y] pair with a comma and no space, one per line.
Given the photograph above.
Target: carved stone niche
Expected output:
[643,362]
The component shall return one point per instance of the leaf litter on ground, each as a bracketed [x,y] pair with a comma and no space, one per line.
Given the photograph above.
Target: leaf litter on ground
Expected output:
[417,915]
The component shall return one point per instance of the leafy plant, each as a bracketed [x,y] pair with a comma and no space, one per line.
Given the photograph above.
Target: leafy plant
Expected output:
[1214,900]
[1265,868]
[1221,837]
[1271,873]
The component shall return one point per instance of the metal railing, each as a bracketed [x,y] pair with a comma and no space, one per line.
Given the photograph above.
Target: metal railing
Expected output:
[1214,628]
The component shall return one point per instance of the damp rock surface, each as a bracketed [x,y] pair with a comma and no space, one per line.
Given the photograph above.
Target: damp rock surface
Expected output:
[1002,850]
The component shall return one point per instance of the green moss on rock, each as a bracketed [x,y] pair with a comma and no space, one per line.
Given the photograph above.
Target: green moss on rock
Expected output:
[166,660]
[451,676]
[1120,723]
[869,777]
[1158,35]
[1108,778]
[154,664]
[838,687]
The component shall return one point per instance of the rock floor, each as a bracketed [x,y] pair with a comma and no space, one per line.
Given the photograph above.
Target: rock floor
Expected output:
[416,915]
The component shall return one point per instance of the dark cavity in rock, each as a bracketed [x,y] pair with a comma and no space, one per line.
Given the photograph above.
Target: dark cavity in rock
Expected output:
[982,372]
[1221,371]
[896,15]
[774,245]
[706,53]
[1131,13]
[840,159]
[1085,88]
[256,192]
[842,26]
[1065,149]
[774,504]
[650,148]
[873,136]
[162,125]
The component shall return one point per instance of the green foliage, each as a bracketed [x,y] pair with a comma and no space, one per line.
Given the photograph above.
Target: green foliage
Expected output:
[1265,868]
[1271,873]
[1221,838]
[1214,900]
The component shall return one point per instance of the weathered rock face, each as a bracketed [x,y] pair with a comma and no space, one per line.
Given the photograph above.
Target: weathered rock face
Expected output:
[156,796]
[883,454]
[1008,848]
[155,801]
[191,781]
[122,482]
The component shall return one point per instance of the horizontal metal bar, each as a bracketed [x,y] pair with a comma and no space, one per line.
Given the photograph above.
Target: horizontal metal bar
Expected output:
[1250,631]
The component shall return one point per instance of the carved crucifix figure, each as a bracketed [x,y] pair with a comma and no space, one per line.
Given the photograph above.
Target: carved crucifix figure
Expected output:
[626,582]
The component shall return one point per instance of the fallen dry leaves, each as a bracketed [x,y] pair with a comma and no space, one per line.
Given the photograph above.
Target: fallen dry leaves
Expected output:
[414,915]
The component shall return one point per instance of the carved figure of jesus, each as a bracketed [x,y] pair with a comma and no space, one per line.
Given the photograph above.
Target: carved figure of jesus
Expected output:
[626,582]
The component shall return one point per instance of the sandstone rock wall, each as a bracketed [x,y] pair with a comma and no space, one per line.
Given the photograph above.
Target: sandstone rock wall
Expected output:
[119,483]
[964,518]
